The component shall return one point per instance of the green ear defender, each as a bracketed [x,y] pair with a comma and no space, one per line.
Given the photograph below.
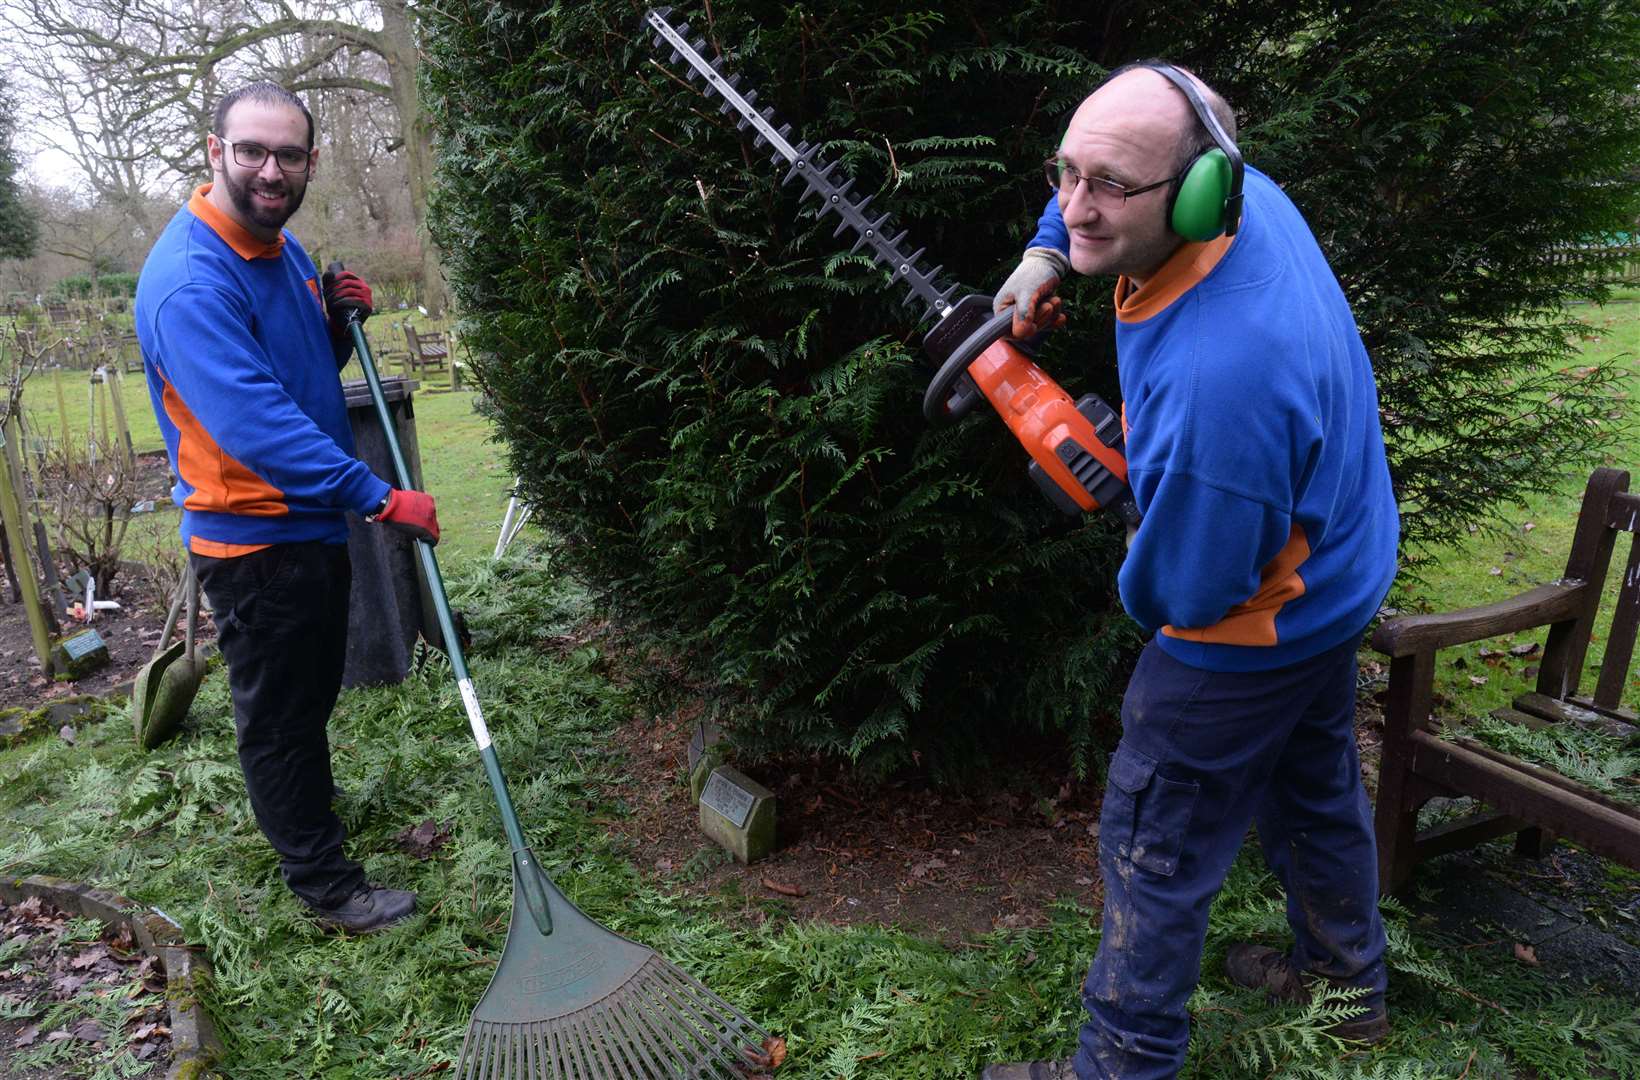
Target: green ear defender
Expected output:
[1206,200]
[1198,211]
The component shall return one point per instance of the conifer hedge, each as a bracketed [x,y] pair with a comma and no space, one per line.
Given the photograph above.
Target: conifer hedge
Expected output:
[716,409]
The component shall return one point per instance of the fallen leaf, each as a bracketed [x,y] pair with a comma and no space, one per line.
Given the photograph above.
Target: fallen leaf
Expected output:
[1528,527]
[66,986]
[66,733]
[1496,571]
[1477,680]
[27,1036]
[424,840]
[1526,954]
[1526,649]
[783,889]
[89,957]
[88,1030]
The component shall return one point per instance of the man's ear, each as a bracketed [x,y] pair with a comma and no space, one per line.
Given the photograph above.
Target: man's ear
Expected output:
[313,163]
[213,152]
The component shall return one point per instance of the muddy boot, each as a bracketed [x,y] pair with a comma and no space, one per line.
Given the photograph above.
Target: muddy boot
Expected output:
[1259,967]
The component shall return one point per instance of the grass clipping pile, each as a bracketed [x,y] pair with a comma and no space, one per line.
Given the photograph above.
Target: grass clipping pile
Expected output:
[76,996]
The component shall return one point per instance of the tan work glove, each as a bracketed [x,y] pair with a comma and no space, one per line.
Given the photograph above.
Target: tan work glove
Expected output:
[1029,291]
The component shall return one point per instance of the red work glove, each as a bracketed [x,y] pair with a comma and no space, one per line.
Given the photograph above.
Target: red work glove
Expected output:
[345,291]
[412,513]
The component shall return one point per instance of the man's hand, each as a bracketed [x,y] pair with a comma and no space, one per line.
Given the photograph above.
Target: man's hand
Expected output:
[410,512]
[345,291]
[1029,290]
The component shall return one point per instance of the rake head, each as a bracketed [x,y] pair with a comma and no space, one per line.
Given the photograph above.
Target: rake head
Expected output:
[583,1003]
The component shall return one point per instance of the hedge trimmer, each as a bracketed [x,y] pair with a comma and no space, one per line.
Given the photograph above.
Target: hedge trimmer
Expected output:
[1075,447]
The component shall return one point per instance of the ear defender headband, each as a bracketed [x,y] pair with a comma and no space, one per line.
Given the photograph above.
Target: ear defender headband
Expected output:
[1206,198]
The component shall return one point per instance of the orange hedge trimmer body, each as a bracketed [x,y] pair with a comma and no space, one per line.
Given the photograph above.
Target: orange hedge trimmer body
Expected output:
[1075,446]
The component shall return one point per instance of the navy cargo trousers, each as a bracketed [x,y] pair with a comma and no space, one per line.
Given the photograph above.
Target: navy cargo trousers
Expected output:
[1203,754]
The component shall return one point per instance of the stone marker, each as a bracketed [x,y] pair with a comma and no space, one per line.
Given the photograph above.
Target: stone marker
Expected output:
[738,812]
[706,752]
[77,655]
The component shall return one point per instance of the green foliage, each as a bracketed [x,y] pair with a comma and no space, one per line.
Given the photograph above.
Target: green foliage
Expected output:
[1604,762]
[19,226]
[716,408]
[84,286]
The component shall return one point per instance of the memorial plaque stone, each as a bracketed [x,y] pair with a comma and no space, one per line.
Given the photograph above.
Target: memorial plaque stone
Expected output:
[79,654]
[738,813]
[728,798]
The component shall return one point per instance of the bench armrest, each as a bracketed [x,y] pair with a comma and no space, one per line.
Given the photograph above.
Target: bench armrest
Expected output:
[1556,602]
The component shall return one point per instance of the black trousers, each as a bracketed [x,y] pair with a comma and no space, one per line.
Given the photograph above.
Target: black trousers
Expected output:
[281,620]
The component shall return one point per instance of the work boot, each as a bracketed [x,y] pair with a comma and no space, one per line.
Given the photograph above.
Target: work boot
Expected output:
[370,909]
[1259,967]
[1030,1070]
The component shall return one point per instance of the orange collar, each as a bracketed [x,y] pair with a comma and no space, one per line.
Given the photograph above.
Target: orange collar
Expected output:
[1183,270]
[232,233]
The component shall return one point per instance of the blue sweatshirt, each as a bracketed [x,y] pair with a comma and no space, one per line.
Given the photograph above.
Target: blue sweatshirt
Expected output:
[1254,447]
[242,376]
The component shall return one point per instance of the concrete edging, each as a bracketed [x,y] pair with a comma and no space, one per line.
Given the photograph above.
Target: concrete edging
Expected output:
[194,1043]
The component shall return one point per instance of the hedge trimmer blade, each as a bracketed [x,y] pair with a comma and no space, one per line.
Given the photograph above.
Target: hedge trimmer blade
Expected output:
[805,165]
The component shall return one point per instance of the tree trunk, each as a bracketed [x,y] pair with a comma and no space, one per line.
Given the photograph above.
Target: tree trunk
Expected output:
[399,40]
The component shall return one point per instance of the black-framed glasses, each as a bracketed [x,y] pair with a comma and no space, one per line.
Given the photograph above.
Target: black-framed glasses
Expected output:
[250,155]
[1063,176]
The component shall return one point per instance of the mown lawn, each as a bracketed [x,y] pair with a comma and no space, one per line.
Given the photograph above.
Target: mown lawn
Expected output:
[173,829]
[1528,547]
[462,468]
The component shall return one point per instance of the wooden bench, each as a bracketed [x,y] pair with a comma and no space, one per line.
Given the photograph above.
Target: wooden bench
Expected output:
[429,352]
[1536,804]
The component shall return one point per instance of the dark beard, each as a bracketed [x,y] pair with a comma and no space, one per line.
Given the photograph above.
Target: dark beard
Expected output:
[261,216]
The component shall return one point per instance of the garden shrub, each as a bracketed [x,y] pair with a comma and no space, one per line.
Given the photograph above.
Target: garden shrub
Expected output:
[716,409]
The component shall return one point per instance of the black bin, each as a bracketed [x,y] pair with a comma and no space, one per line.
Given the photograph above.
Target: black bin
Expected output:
[390,603]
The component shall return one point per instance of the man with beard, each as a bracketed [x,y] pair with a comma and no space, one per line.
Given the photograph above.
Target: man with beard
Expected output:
[241,344]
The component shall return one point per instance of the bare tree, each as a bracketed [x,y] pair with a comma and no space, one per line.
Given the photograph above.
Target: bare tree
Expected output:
[147,72]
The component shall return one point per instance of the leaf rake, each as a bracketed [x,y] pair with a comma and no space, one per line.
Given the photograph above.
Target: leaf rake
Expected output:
[570,999]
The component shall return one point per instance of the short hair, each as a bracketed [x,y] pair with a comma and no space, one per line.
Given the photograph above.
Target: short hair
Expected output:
[263,93]
[1195,139]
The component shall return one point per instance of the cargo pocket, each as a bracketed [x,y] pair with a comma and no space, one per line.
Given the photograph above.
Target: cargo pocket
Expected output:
[1146,815]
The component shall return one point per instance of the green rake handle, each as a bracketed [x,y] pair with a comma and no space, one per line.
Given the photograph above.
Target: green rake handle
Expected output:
[526,872]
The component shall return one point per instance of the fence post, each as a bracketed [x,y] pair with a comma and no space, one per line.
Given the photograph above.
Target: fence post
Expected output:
[62,403]
[17,540]
[116,396]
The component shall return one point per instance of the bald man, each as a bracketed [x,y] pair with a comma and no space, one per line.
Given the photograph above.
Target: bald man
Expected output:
[1267,544]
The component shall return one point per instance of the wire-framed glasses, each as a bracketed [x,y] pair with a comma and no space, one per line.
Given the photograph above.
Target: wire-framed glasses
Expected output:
[250,155]
[1063,176]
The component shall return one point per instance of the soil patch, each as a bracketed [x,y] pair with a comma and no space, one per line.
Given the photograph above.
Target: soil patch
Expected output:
[936,862]
[939,862]
[74,999]
[131,633]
